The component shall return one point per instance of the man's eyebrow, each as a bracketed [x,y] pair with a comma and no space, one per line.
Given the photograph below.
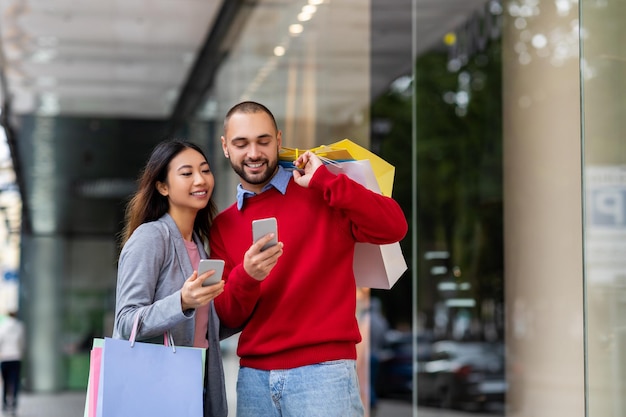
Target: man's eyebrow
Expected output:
[243,138]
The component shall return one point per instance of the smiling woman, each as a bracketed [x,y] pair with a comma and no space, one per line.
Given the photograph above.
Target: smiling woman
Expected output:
[168,218]
[189,175]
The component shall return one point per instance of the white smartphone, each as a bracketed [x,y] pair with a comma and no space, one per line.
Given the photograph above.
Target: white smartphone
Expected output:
[209,264]
[262,227]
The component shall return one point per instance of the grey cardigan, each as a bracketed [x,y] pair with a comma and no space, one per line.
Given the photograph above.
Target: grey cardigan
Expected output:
[153,266]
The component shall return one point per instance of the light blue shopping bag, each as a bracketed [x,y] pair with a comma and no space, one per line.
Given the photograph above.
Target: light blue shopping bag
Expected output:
[145,379]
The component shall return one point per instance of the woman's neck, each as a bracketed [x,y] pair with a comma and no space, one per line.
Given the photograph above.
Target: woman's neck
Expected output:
[184,221]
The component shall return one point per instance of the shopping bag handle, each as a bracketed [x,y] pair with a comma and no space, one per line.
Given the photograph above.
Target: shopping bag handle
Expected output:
[168,339]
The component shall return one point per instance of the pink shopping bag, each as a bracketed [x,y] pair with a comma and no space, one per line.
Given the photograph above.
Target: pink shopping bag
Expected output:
[95,359]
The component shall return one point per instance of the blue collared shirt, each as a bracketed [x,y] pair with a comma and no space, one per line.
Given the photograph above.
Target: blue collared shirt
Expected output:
[279,181]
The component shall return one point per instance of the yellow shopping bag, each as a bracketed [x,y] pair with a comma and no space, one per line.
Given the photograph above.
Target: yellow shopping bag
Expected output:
[347,150]
[383,170]
[324,152]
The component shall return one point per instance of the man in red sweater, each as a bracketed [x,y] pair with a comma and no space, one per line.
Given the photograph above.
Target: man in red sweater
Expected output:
[296,301]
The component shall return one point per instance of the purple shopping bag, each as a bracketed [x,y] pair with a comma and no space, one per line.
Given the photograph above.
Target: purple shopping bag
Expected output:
[145,379]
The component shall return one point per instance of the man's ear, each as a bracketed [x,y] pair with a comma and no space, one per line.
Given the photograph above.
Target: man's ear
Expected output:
[279,138]
[224,148]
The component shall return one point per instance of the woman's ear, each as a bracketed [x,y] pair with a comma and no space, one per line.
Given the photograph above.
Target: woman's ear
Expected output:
[161,188]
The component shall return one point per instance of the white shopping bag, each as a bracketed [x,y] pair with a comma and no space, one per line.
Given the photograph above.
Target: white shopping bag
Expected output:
[375,266]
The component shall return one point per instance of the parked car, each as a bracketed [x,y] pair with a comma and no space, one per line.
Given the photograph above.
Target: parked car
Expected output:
[464,375]
[395,374]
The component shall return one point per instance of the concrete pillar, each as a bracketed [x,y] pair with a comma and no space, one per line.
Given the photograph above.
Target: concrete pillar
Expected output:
[542,210]
[41,300]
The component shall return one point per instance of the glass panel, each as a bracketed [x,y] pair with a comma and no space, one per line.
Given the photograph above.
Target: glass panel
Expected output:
[458,129]
[603,63]
[317,83]
[308,62]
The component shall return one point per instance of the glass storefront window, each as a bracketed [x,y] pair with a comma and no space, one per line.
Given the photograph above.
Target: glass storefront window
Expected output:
[604,176]
[460,277]
[340,74]
[308,62]
[485,94]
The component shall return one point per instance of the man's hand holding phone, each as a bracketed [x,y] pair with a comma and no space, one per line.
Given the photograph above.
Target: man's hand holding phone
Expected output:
[265,250]
[264,227]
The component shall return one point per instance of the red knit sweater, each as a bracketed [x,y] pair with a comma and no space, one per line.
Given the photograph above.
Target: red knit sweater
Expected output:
[304,311]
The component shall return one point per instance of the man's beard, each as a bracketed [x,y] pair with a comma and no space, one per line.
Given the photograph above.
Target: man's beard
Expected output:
[256,179]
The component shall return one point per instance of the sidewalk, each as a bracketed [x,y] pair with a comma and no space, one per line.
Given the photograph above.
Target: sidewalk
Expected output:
[72,403]
[63,404]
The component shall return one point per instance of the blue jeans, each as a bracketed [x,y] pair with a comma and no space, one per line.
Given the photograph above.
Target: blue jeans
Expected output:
[327,389]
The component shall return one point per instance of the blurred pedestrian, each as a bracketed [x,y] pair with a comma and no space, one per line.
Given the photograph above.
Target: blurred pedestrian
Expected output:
[12,345]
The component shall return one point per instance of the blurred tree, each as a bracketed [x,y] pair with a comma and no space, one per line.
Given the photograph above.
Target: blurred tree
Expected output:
[458,134]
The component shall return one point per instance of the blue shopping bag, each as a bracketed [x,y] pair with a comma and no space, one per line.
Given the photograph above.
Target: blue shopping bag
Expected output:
[145,379]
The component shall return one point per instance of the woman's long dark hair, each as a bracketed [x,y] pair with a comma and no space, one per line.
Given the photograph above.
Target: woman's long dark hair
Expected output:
[147,204]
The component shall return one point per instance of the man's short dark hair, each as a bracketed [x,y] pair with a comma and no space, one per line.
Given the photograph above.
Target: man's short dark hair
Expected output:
[249,107]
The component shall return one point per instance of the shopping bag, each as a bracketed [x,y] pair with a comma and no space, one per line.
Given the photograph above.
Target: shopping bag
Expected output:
[289,155]
[146,379]
[91,398]
[378,266]
[383,170]
[343,151]
[375,266]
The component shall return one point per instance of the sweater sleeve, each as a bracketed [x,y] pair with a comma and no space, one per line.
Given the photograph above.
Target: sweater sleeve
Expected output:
[374,217]
[241,292]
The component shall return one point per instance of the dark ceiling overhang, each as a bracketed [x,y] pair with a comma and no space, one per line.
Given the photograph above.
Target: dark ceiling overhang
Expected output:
[231,16]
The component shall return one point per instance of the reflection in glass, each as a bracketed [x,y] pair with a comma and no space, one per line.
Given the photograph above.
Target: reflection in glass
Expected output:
[460,293]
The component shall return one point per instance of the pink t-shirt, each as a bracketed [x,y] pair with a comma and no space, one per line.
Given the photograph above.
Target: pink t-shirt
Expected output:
[202,313]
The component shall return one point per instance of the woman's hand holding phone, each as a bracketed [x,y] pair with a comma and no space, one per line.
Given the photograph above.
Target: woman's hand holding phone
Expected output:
[203,285]
[216,265]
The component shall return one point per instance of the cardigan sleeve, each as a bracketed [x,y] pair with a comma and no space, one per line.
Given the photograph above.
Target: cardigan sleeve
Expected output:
[142,273]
